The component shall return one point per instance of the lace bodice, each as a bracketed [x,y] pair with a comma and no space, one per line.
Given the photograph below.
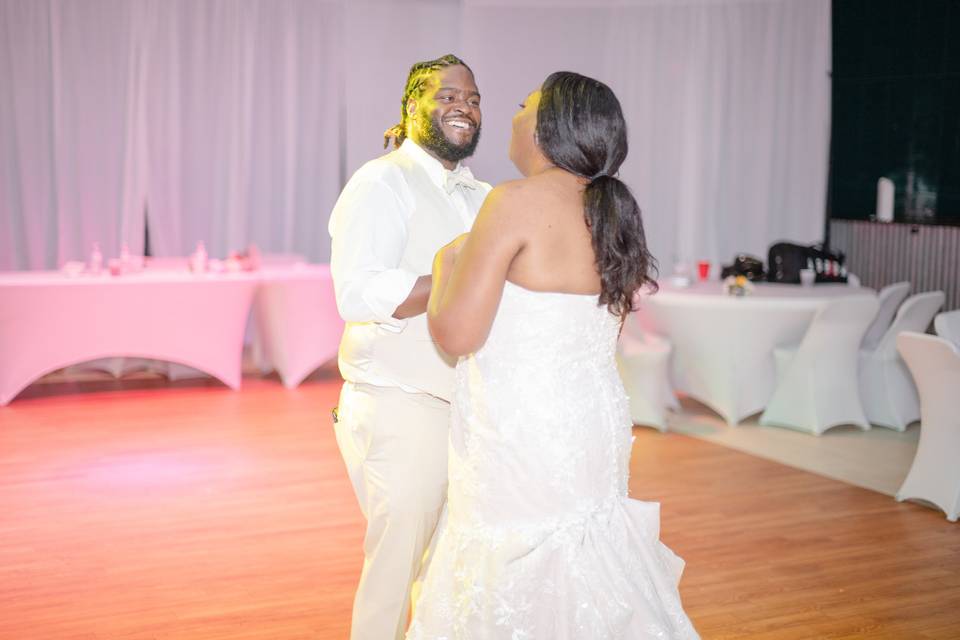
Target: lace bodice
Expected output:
[525,408]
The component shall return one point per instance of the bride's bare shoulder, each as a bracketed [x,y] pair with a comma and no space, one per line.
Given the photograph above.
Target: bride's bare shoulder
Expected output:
[507,191]
[522,199]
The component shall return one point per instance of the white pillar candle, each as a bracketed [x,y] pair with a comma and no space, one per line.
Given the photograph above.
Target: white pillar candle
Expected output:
[885,191]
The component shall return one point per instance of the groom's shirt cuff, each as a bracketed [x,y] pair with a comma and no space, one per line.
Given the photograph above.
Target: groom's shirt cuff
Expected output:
[384,292]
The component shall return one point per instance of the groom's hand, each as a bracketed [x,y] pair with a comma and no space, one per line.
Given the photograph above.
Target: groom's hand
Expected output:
[416,301]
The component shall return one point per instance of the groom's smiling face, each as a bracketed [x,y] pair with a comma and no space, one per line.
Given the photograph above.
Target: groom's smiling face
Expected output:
[445,120]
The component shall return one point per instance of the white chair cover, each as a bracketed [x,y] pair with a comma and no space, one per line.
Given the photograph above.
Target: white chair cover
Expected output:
[644,363]
[935,473]
[817,381]
[890,298]
[886,387]
[947,326]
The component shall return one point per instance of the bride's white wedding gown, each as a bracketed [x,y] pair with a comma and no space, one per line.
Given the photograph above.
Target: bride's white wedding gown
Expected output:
[540,541]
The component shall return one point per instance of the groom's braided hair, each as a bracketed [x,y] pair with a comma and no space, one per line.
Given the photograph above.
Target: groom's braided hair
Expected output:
[419,73]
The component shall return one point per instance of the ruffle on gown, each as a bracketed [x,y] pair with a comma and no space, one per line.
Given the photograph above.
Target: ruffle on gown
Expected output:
[596,576]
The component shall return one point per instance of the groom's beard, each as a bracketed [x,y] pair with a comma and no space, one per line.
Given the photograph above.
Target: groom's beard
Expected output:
[432,138]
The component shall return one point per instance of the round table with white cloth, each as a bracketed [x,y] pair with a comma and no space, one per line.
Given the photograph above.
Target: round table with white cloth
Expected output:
[723,345]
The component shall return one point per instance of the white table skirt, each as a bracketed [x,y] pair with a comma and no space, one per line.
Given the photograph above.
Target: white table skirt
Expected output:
[49,321]
[723,345]
[297,325]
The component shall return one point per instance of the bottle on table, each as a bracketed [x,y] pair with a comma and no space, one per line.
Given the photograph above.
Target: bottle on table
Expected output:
[198,261]
[95,262]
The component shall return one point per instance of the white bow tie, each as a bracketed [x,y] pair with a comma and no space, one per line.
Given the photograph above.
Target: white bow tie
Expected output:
[460,176]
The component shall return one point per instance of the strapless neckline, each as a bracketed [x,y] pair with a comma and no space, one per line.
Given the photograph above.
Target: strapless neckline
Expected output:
[514,285]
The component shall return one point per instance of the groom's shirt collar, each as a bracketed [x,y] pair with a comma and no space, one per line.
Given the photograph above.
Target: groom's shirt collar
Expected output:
[433,167]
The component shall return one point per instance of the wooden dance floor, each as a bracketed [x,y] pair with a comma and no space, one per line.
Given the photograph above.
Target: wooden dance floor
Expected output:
[148,510]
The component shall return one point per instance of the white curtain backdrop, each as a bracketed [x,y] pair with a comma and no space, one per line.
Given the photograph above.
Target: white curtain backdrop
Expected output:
[727,104]
[237,121]
[67,133]
[242,104]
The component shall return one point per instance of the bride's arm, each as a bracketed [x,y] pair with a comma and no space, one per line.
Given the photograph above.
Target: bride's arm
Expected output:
[469,274]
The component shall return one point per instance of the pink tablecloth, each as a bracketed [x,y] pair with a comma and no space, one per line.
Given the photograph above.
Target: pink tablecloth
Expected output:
[297,324]
[49,321]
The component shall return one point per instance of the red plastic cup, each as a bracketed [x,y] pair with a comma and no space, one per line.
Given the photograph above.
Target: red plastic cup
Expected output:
[703,269]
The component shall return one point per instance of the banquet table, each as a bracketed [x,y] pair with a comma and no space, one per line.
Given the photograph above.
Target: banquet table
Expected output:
[297,324]
[723,345]
[49,320]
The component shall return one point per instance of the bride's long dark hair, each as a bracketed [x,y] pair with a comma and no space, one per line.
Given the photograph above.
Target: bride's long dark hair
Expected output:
[580,128]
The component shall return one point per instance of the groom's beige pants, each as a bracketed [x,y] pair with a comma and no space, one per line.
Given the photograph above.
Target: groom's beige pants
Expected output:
[395,447]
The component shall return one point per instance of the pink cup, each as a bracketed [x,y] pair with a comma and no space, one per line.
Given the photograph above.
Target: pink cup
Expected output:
[703,269]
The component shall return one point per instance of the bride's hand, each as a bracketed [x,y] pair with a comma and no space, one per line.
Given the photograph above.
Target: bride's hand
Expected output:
[443,263]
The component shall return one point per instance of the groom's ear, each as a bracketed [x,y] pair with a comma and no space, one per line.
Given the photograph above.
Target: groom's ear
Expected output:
[411,107]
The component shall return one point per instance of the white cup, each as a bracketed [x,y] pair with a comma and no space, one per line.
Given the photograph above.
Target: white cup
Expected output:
[807,277]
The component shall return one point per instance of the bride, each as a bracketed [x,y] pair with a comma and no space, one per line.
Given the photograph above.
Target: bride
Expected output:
[540,540]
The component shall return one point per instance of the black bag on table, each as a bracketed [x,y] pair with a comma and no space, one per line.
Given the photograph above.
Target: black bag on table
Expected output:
[745,265]
[786,259]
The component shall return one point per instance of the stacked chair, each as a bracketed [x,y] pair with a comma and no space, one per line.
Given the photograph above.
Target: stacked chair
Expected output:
[947,326]
[890,299]
[934,475]
[817,379]
[888,392]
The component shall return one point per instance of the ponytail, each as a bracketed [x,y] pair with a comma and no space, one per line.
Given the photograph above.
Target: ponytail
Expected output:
[580,128]
[619,243]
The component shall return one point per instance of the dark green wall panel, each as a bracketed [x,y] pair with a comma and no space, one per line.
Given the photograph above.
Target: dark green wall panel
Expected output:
[896,108]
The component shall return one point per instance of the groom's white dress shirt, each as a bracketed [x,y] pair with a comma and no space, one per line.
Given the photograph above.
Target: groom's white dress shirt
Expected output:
[390,220]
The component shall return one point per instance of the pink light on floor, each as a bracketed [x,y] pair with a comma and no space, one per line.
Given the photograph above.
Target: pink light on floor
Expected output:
[161,470]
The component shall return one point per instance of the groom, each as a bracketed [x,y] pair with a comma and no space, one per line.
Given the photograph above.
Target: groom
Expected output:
[391,425]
